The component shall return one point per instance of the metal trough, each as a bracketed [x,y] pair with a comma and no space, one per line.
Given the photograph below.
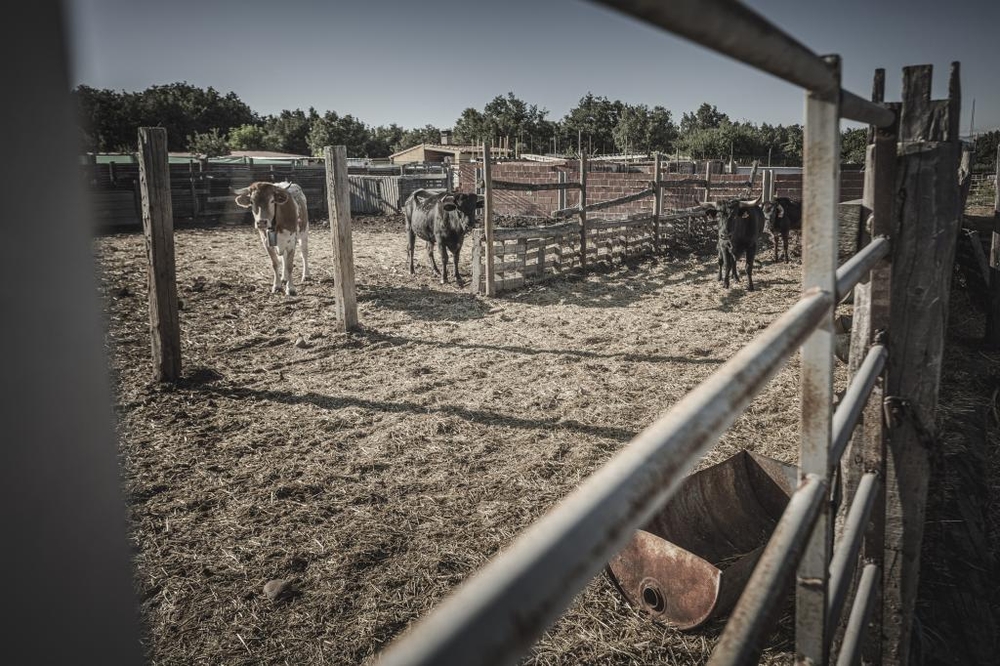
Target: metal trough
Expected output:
[690,563]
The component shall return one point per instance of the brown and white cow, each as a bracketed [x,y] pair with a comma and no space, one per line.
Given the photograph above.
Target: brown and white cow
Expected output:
[282,218]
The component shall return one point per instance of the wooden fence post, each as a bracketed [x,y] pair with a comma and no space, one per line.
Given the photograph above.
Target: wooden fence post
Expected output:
[339,205]
[993,312]
[927,186]
[657,201]
[158,225]
[583,211]
[708,180]
[477,261]
[866,453]
[491,286]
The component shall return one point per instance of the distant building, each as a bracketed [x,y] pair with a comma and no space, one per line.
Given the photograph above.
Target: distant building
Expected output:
[443,152]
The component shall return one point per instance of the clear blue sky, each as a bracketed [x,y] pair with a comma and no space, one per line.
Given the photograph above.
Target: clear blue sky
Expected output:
[418,62]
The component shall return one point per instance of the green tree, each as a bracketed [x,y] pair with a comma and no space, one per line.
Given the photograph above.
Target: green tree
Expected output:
[419,135]
[110,120]
[384,140]
[662,132]
[248,137]
[853,145]
[631,134]
[985,156]
[334,130]
[705,117]
[470,128]
[208,144]
[288,132]
[592,123]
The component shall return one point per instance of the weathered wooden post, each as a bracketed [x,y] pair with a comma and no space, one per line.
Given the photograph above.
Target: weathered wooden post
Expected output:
[491,287]
[993,314]
[583,211]
[708,181]
[657,201]
[866,452]
[158,225]
[927,188]
[339,205]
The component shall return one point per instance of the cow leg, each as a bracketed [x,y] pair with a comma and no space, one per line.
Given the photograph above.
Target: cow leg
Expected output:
[784,242]
[751,254]
[274,262]
[304,251]
[722,261]
[411,239]
[444,261]
[774,239]
[287,257]
[430,256]
[455,252]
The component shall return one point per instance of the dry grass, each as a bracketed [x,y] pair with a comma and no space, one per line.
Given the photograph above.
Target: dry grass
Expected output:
[377,470]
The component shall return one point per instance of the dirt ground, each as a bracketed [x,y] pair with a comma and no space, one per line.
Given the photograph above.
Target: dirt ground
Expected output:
[376,470]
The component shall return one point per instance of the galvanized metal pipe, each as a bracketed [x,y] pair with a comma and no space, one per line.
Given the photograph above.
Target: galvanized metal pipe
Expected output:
[857,108]
[845,558]
[820,194]
[854,400]
[733,29]
[861,610]
[495,616]
[752,619]
[855,268]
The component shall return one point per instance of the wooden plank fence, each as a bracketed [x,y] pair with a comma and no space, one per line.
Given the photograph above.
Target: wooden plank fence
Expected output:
[203,190]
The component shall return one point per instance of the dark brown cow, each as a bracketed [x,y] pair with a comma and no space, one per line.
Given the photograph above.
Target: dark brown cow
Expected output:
[443,220]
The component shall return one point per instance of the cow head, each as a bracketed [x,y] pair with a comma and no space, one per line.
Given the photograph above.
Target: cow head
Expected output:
[772,210]
[462,205]
[263,200]
[726,213]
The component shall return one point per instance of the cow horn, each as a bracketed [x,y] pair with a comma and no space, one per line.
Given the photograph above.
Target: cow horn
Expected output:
[242,190]
[750,204]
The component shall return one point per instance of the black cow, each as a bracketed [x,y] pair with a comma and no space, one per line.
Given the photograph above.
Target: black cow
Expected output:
[443,220]
[740,224]
[781,216]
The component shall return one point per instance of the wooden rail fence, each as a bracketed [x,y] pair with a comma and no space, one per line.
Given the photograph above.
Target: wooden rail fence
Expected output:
[203,190]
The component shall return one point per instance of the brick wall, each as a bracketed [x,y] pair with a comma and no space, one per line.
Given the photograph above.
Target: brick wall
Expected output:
[790,185]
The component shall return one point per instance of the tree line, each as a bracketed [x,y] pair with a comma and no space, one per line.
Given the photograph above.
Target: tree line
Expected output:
[207,122]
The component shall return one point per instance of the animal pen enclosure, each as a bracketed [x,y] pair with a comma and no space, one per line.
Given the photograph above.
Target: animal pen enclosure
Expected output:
[539,231]
[879,546]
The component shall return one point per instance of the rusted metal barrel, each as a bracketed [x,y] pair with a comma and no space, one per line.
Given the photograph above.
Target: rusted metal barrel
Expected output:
[691,562]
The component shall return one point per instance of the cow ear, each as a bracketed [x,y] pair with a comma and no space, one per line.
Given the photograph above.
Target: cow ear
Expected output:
[243,201]
[280,195]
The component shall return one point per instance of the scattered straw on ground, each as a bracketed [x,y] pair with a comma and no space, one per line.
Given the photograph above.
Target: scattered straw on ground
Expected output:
[377,470]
